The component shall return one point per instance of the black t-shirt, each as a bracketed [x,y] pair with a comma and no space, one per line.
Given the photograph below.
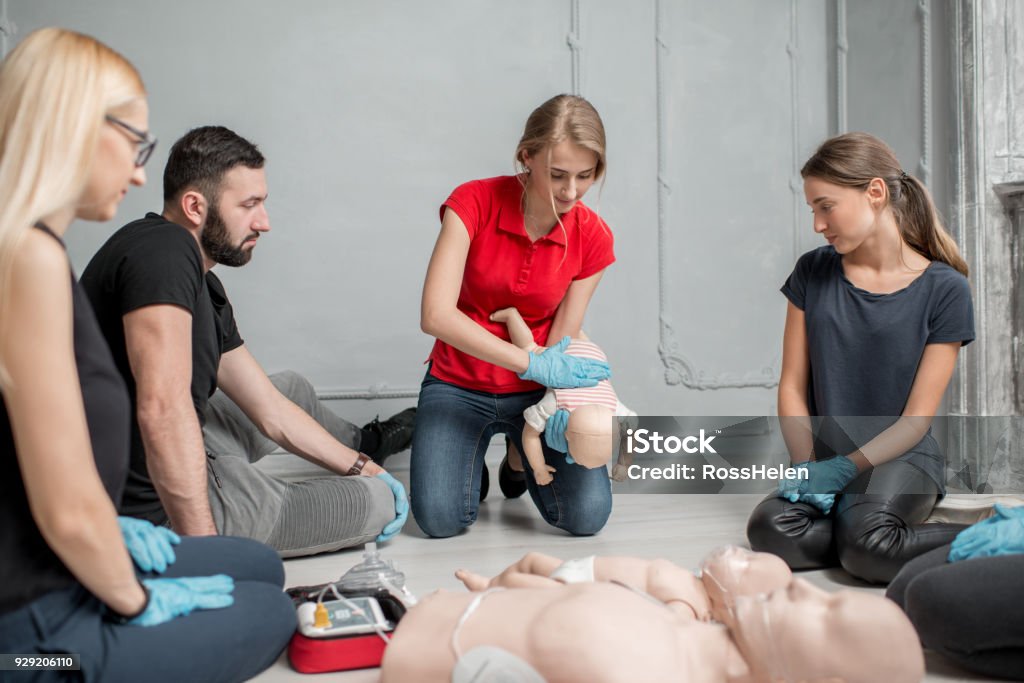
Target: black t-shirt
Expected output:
[148,262]
[865,348]
[28,568]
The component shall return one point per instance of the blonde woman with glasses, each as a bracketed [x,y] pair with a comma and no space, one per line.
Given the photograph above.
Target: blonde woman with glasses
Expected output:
[128,600]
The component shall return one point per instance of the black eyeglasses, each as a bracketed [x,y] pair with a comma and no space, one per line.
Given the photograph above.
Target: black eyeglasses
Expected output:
[144,140]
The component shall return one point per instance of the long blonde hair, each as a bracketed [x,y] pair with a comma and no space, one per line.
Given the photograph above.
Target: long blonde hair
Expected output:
[55,88]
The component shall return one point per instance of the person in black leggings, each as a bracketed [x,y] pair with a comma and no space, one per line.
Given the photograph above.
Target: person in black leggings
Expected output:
[970,610]
[876,319]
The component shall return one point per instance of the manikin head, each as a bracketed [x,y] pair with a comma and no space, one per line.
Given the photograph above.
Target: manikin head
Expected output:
[733,571]
[590,432]
[802,633]
[214,183]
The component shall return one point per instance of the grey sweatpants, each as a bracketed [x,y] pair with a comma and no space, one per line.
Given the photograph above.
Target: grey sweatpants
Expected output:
[295,518]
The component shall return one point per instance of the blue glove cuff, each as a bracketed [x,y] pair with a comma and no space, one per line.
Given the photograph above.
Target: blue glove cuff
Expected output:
[122,619]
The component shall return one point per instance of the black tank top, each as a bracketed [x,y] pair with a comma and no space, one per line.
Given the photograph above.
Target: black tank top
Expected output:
[28,568]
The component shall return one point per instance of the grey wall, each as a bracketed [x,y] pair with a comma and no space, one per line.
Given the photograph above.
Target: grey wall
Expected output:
[370,112]
[988,79]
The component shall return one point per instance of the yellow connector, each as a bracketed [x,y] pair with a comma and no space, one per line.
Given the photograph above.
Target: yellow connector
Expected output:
[320,618]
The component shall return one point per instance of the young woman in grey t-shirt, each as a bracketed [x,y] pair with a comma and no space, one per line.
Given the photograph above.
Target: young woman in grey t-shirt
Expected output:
[875,321]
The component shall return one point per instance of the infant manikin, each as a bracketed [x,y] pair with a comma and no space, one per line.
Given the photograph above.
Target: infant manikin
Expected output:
[773,627]
[725,574]
[589,428]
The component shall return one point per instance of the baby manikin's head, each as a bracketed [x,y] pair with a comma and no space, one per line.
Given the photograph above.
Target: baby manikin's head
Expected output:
[590,433]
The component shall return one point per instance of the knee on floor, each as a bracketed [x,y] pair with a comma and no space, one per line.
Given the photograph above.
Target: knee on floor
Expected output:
[867,553]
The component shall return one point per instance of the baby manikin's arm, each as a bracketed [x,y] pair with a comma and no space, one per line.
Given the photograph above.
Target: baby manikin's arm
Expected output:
[535,456]
[532,571]
[518,331]
[536,417]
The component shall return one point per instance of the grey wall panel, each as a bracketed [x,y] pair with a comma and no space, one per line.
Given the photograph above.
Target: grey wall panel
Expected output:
[370,112]
[884,62]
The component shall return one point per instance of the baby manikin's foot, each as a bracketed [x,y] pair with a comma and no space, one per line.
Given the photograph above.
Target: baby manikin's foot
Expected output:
[502,316]
[471,580]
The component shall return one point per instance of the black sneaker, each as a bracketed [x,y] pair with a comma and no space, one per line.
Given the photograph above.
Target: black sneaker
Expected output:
[511,483]
[485,483]
[394,434]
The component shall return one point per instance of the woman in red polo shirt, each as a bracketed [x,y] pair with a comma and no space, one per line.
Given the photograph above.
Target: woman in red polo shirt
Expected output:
[525,241]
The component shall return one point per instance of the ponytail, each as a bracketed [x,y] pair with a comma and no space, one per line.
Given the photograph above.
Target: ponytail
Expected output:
[921,226]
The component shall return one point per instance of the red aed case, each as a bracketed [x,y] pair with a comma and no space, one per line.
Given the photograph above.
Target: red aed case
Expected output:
[312,655]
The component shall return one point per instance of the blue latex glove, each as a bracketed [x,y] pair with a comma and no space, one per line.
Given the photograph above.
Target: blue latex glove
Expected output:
[1002,534]
[170,598]
[149,545]
[823,477]
[554,431]
[401,508]
[789,488]
[558,370]
[822,501]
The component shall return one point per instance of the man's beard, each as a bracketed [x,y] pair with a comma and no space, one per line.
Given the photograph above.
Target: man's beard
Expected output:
[217,243]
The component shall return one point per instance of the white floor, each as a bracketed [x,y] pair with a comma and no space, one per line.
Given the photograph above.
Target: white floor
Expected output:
[681,528]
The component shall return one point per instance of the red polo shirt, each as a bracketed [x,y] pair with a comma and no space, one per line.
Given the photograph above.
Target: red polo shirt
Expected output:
[504,268]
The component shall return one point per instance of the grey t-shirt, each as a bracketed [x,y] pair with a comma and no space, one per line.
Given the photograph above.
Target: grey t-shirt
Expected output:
[865,348]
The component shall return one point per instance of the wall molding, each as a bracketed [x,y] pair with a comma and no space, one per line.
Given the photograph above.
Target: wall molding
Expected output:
[575,43]
[1014,149]
[924,168]
[680,369]
[1011,195]
[969,390]
[373,393]
[7,29]
[842,52]
[796,183]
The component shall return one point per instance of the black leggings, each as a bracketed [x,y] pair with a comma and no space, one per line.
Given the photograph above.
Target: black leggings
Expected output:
[874,528]
[970,611]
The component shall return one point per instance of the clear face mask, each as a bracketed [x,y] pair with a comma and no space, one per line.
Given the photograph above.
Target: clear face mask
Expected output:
[375,573]
[725,567]
[754,617]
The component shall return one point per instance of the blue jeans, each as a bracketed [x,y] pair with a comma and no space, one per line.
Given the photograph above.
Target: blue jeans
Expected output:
[230,644]
[453,429]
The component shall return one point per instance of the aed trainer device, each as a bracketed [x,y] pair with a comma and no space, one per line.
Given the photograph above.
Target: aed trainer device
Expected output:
[341,617]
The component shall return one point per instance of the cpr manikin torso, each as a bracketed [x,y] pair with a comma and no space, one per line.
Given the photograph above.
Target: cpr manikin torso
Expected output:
[657,625]
[591,427]
[580,632]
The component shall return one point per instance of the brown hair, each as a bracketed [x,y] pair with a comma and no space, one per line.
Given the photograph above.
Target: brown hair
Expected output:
[855,159]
